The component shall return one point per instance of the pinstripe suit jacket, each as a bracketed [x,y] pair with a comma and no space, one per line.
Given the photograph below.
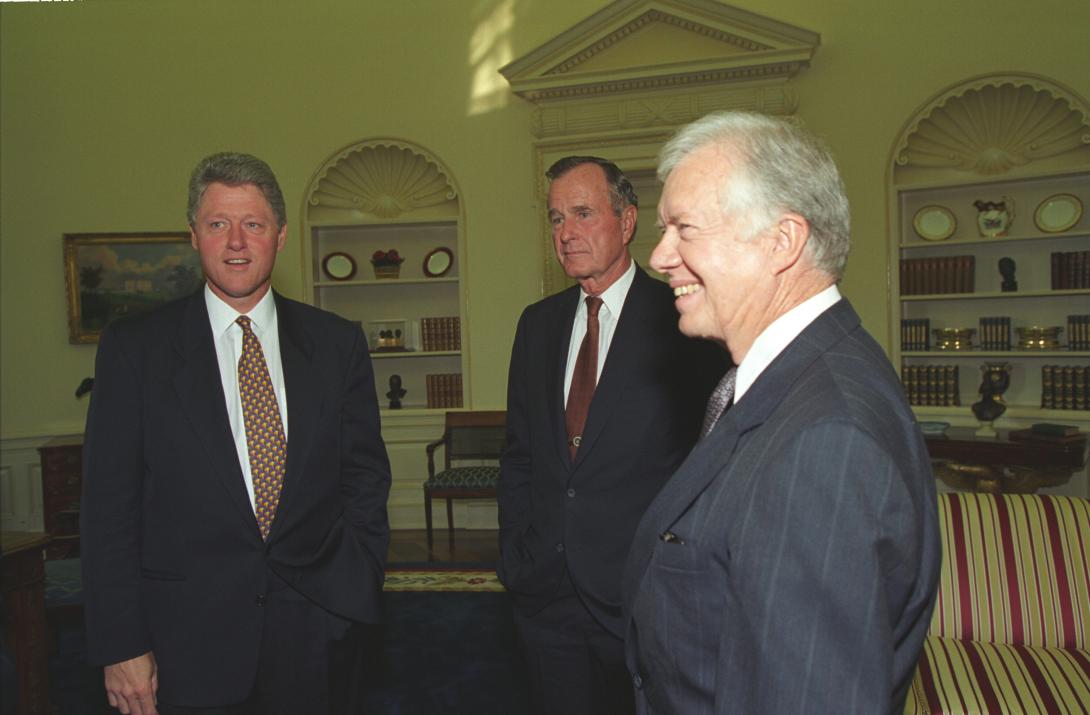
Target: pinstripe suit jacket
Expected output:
[800,569]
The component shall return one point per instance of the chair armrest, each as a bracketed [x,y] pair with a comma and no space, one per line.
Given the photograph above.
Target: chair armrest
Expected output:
[430,448]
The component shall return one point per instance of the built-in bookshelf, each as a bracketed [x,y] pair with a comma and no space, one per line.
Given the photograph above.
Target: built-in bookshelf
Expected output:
[384,249]
[989,237]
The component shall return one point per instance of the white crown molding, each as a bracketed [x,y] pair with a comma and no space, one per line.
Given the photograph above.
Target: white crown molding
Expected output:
[666,110]
[991,124]
[381,177]
[752,48]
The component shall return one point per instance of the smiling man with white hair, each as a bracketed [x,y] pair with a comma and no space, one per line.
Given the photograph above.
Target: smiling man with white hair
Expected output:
[790,564]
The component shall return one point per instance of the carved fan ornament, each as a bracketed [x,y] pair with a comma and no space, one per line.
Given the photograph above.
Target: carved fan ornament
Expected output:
[992,125]
[383,179]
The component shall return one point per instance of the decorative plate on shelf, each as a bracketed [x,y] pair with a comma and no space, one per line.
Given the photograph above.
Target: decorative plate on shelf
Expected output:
[1058,213]
[934,223]
[339,266]
[438,262]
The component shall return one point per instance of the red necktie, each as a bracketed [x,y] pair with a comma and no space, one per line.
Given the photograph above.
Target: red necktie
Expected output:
[583,380]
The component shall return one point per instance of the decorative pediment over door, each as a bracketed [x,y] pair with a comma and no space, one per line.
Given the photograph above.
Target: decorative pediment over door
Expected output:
[618,84]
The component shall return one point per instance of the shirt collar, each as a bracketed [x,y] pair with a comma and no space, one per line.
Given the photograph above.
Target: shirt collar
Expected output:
[223,316]
[776,337]
[613,297]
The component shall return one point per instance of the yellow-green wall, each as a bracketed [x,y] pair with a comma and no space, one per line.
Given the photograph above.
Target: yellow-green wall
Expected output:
[107,104]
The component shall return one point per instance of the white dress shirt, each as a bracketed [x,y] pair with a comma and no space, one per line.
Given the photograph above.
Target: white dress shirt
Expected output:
[608,315]
[227,337]
[777,336]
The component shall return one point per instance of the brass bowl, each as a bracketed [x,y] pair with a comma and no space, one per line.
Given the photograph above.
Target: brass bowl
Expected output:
[953,338]
[1034,337]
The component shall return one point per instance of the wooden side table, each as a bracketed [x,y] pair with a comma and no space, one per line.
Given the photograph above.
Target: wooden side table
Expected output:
[23,579]
[1002,466]
[62,478]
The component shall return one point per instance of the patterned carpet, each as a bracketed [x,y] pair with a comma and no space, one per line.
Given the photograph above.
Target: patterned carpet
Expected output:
[448,646]
[442,580]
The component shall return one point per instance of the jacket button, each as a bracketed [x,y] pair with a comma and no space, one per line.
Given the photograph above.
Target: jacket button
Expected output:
[260,599]
[571,492]
[559,548]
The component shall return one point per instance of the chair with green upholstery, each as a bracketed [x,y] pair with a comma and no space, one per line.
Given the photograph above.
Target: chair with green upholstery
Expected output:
[477,440]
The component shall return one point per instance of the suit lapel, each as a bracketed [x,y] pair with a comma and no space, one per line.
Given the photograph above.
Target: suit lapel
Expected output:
[302,383]
[713,453]
[199,389]
[620,363]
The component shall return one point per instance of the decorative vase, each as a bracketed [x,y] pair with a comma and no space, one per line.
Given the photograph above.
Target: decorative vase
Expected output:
[993,218]
[387,271]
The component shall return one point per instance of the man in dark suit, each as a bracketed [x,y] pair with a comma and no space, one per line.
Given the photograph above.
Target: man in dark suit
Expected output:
[605,398]
[233,520]
[790,565]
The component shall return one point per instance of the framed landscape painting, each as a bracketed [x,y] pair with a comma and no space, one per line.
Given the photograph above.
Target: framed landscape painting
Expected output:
[112,275]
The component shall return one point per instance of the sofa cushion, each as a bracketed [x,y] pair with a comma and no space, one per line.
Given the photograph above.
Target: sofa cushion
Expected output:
[1015,570]
[957,676]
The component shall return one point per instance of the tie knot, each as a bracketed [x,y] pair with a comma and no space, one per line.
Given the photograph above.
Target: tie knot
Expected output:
[594,304]
[244,323]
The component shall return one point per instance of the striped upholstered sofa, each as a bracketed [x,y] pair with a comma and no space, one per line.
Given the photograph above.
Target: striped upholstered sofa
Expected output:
[1011,630]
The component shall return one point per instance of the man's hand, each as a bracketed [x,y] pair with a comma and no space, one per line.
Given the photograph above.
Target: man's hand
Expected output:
[131,685]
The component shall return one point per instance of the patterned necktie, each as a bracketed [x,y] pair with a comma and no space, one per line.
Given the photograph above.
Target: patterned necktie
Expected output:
[717,403]
[265,442]
[584,379]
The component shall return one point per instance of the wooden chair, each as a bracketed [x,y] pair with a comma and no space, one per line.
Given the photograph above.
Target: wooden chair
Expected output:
[473,436]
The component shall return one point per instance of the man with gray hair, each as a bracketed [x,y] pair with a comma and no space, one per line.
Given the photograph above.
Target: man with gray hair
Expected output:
[790,564]
[604,399]
[233,516]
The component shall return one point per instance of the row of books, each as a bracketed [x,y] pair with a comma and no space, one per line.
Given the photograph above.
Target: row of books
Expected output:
[1063,387]
[444,389]
[1078,332]
[1071,270]
[928,276]
[933,385]
[441,334]
[995,333]
[916,334]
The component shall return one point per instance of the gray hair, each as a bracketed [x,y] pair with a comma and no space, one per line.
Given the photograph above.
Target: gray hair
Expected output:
[621,192]
[781,167]
[233,169]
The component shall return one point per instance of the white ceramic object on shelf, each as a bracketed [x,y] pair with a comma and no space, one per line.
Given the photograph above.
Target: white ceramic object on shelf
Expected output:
[1058,213]
[934,223]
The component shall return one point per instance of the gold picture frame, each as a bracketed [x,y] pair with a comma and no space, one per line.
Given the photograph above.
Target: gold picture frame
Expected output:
[113,275]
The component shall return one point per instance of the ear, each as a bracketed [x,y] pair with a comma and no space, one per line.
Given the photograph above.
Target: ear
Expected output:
[193,239]
[792,234]
[628,223]
[282,237]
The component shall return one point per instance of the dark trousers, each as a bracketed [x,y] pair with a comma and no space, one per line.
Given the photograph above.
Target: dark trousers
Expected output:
[576,666]
[311,661]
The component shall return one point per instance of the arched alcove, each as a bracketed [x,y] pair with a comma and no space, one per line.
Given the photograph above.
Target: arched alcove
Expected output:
[384,194]
[989,182]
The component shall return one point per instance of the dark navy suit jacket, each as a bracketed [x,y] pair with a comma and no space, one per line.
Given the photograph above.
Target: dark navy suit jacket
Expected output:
[173,561]
[644,418]
[801,564]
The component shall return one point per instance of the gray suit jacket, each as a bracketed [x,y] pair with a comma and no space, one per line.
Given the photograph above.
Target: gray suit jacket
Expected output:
[801,553]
